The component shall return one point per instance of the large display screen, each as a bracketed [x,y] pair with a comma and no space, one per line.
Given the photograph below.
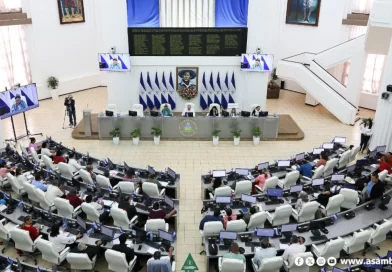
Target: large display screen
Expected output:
[18,100]
[257,63]
[114,62]
[187,41]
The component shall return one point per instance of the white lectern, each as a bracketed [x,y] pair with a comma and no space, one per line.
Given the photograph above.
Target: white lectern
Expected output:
[87,122]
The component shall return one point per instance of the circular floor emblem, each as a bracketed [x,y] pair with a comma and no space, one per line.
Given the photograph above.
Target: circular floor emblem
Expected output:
[188,128]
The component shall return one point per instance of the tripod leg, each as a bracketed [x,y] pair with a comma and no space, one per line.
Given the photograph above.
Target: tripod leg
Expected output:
[65,114]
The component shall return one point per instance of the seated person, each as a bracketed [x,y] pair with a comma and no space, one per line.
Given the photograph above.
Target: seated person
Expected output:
[57,158]
[296,246]
[229,216]
[90,170]
[187,110]
[91,251]
[61,240]
[38,183]
[324,197]
[158,213]
[210,218]
[323,160]
[267,250]
[45,150]
[384,166]
[253,210]
[54,191]
[305,170]
[125,204]
[28,225]
[131,175]
[128,251]
[74,199]
[302,199]
[113,181]
[74,166]
[33,145]
[256,111]
[4,170]
[103,215]
[261,179]
[233,113]
[375,188]
[215,183]
[214,111]
[388,158]
[158,263]
[166,111]
[234,253]
[20,178]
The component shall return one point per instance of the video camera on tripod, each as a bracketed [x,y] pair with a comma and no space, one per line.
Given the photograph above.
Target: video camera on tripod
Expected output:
[69,104]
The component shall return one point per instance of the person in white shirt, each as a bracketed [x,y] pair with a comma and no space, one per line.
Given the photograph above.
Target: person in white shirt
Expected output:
[74,166]
[103,215]
[296,246]
[187,110]
[256,111]
[267,251]
[366,132]
[45,150]
[61,240]
[54,191]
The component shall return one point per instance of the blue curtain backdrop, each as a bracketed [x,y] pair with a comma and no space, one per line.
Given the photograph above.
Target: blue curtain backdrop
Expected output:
[143,13]
[231,13]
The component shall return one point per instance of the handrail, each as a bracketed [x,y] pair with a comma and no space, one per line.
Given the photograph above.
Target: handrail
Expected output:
[299,54]
[340,44]
[328,73]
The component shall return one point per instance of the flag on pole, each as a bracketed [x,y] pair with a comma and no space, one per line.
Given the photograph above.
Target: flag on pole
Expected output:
[163,89]
[218,91]
[142,92]
[171,90]
[110,189]
[203,93]
[232,89]
[210,91]
[225,90]
[157,92]
[149,93]
[95,225]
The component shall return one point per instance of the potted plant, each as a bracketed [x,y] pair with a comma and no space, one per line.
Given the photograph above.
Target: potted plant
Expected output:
[274,76]
[215,137]
[53,83]
[236,134]
[157,132]
[135,134]
[256,132]
[115,133]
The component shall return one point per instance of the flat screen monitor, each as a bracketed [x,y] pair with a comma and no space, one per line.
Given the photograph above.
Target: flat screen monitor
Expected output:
[218,173]
[147,199]
[132,113]
[230,235]
[126,167]
[296,188]
[154,113]
[107,231]
[257,63]
[171,173]
[249,198]
[328,145]
[372,154]
[242,171]
[263,165]
[165,235]
[318,182]
[337,177]
[81,222]
[245,113]
[283,163]
[300,157]
[169,201]
[265,232]
[275,192]
[18,100]
[361,163]
[381,148]
[335,269]
[114,62]
[317,151]
[289,227]
[110,164]
[223,199]
[351,168]
[150,170]
[314,225]
[339,140]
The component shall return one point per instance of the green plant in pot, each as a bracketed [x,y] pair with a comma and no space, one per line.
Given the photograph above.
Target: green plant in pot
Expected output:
[215,136]
[274,76]
[115,133]
[256,132]
[157,132]
[236,134]
[53,83]
[135,134]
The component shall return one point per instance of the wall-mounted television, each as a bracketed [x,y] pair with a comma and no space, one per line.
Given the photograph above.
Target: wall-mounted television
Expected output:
[257,63]
[114,62]
[18,100]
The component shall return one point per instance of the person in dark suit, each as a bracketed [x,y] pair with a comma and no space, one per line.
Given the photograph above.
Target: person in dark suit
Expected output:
[91,251]
[375,188]
[126,205]
[129,252]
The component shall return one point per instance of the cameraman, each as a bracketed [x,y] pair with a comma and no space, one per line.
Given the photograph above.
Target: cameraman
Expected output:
[69,103]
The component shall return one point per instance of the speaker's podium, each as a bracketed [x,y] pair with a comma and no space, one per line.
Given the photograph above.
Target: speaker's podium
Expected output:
[87,122]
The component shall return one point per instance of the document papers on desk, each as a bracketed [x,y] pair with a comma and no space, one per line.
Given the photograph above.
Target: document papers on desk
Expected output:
[163,183]
[283,246]
[151,250]
[107,203]
[2,208]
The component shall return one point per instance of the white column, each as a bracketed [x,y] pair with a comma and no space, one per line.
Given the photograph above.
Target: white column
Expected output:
[355,78]
[2,139]
[382,131]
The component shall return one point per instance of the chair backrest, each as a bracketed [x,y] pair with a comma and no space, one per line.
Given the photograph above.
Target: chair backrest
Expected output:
[270,183]
[257,220]
[212,228]
[90,211]
[86,177]
[332,248]
[232,265]
[236,225]
[334,204]
[64,170]
[272,264]
[14,183]
[233,106]
[139,109]
[151,189]
[79,261]
[116,260]
[120,218]
[103,182]
[48,251]
[243,187]
[308,211]
[113,108]
[354,153]
[215,105]
[126,187]
[22,240]
[163,105]
[328,170]
[290,179]
[358,241]
[35,155]
[154,225]
[63,207]
[48,162]
[282,215]
[292,264]
[43,202]
[318,172]
[30,189]
[23,149]
[4,233]
[350,198]
[222,191]
[344,159]
[382,175]
[380,233]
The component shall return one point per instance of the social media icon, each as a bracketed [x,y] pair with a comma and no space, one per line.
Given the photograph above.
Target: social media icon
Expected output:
[309,261]
[331,261]
[321,261]
[299,261]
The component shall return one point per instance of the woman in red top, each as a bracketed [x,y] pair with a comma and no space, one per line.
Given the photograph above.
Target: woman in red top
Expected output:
[384,165]
[260,180]
[158,213]
[74,200]
[33,231]
[58,158]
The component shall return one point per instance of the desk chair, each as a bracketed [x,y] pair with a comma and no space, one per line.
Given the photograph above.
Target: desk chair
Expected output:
[211,229]
[49,253]
[231,265]
[23,150]
[344,159]
[217,106]
[49,163]
[43,202]
[173,264]
[383,175]
[356,242]
[24,243]
[139,109]
[243,187]
[81,261]
[31,192]
[354,153]
[16,187]
[118,262]
[120,218]
[351,198]
[378,234]
[36,157]
[5,234]
[307,213]
[221,191]
[151,189]
[163,105]
[3,182]
[290,180]
[333,205]
[154,225]
[91,212]
[317,173]
[291,266]
[270,183]
[65,209]
[328,249]
[328,170]
[257,220]
[113,108]
[280,216]
[272,264]
[86,177]
[103,182]
[192,108]
[65,171]
[236,225]
[126,187]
